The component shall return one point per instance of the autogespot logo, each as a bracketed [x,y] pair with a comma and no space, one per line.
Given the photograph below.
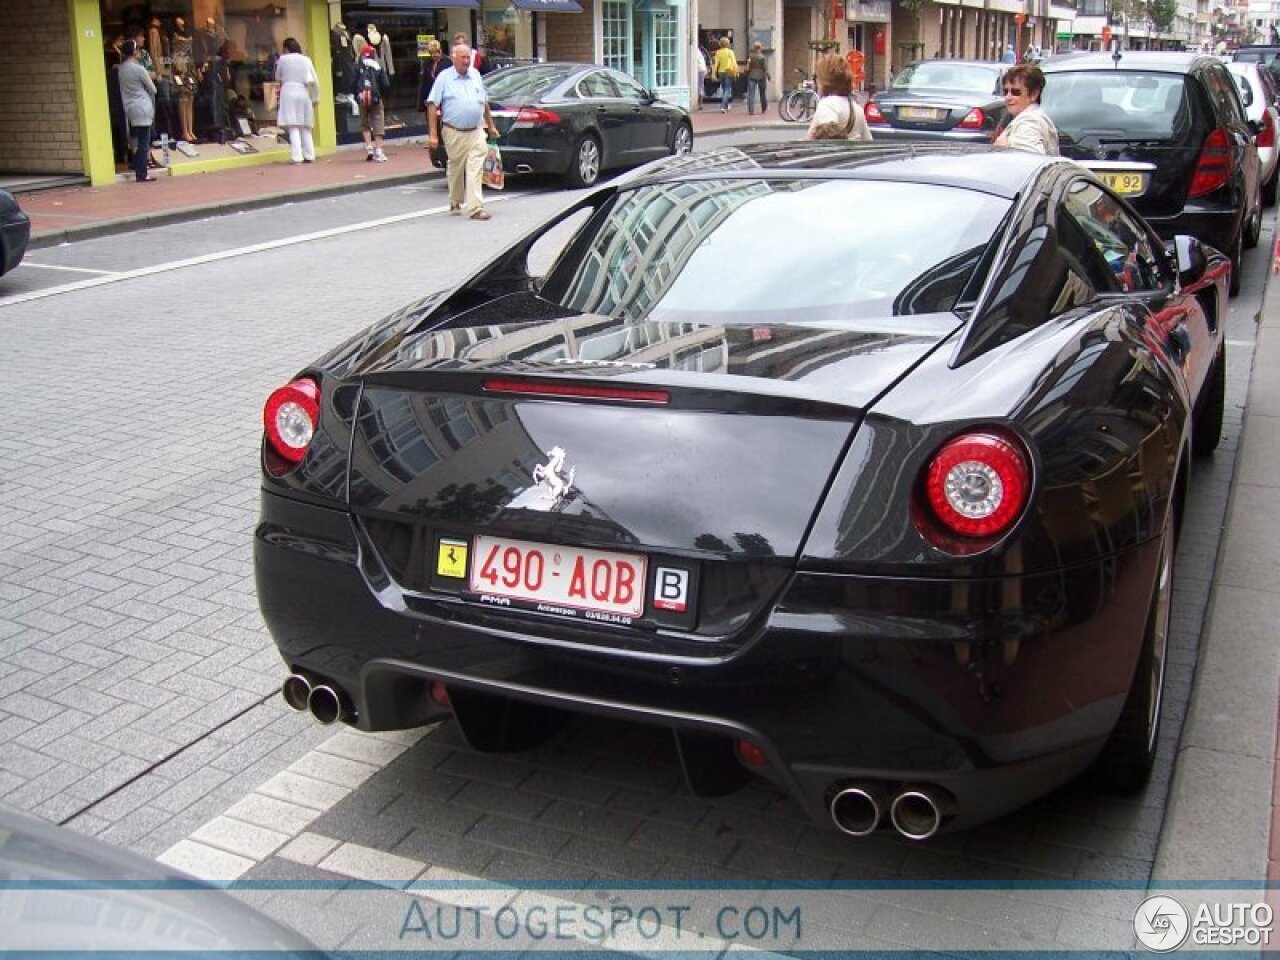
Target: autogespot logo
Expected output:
[1161,924]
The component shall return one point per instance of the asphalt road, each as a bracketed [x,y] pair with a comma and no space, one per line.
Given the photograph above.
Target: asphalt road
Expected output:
[138,688]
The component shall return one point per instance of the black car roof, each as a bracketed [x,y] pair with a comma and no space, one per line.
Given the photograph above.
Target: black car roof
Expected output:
[1001,172]
[1157,61]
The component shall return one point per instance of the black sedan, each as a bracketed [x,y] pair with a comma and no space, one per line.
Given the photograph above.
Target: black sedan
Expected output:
[953,100]
[15,231]
[577,120]
[888,523]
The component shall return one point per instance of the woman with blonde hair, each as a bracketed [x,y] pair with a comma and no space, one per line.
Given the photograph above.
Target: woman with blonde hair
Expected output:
[838,115]
[724,67]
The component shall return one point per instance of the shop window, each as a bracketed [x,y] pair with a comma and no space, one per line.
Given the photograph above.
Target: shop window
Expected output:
[616,32]
[666,50]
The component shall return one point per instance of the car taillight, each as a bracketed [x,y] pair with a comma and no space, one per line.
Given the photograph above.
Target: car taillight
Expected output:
[290,419]
[1267,135]
[873,114]
[1213,169]
[977,484]
[534,117]
[975,119]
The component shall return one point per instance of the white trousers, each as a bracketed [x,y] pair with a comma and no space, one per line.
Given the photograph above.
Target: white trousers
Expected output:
[301,146]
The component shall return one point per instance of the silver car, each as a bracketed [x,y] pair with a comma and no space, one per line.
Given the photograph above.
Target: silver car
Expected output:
[1258,91]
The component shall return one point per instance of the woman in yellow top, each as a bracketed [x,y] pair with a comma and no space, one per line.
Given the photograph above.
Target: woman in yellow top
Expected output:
[724,67]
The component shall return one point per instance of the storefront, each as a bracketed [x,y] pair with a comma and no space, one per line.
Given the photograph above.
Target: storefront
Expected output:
[213,63]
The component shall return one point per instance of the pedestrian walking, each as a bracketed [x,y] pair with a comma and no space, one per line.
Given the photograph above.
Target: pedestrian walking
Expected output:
[702,65]
[724,67]
[757,78]
[838,115]
[368,85]
[138,92]
[299,94]
[431,67]
[458,115]
[1008,56]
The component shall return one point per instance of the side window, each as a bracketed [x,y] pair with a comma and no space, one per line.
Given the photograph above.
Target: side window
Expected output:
[629,88]
[597,85]
[1129,261]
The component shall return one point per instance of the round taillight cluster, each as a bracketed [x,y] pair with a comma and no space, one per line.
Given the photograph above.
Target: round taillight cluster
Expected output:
[872,114]
[978,484]
[290,418]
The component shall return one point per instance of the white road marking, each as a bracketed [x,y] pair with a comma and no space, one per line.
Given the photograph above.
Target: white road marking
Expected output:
[28,262]
[228,254]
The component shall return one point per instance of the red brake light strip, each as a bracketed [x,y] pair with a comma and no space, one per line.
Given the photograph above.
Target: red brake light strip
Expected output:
[574,391]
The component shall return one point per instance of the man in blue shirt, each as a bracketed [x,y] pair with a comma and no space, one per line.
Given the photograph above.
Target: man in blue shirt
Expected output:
[458,113]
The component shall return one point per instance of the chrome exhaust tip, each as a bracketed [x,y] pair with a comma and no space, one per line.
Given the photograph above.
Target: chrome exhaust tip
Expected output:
[296,690]
[856,810]
[325,705]
[916,814]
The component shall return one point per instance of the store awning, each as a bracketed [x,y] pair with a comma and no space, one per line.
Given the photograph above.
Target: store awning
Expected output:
[412,5]
[652,6]
[548,6]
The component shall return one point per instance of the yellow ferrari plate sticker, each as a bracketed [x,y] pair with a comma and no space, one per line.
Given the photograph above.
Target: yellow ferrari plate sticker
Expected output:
[451,558]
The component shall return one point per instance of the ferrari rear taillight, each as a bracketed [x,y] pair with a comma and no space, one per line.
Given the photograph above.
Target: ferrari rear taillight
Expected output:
[1267,135]
[534,117]
[977,484]
[1213,169]
[290,418]
[873,114]
[975,119]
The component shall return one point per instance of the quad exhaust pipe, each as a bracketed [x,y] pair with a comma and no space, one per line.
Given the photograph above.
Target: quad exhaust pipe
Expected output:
[916,812]
[324,702]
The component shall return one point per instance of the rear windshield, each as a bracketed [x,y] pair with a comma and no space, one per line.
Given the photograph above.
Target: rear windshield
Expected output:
[940,74]
[1127,104]
[522,81]
[777,252]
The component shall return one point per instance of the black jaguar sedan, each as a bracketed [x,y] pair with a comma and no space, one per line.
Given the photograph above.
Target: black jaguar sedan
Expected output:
[577,120]
[889,523]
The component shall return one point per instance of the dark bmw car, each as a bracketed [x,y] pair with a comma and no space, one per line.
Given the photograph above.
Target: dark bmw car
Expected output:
[953,100]
[576,120]
[1168,131]
[889,523]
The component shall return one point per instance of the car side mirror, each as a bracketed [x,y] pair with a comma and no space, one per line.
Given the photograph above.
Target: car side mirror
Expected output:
[1188,252]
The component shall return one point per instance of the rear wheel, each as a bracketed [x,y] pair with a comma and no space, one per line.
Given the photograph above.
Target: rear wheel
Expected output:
[1206,429]
[804,113]
[584,168]
[1253,228]
[1125,763]
[785,107]
[1234,255]
[682,142]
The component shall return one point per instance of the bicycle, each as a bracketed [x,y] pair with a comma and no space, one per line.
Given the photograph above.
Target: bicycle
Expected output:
[798,105]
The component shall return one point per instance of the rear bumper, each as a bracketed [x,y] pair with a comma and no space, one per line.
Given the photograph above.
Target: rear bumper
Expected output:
[930,136]
[15,232]
[1215,226]
[992,693]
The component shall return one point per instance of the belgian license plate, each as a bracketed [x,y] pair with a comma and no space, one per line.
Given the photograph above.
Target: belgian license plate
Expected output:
[557,579]
[920,113]
[1129,183]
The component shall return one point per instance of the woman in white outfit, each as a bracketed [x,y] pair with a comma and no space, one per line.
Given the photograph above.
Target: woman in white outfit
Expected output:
[1028,126]
[299,93]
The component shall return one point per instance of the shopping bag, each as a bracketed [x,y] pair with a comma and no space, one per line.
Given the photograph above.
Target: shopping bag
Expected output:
[493,176]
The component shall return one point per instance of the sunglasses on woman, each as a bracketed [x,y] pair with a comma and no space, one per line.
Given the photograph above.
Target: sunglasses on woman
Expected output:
[1014,91]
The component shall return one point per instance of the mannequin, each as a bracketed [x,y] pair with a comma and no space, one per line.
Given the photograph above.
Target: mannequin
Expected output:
[184,78]
[158,44]
[382,49]
[342,53]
